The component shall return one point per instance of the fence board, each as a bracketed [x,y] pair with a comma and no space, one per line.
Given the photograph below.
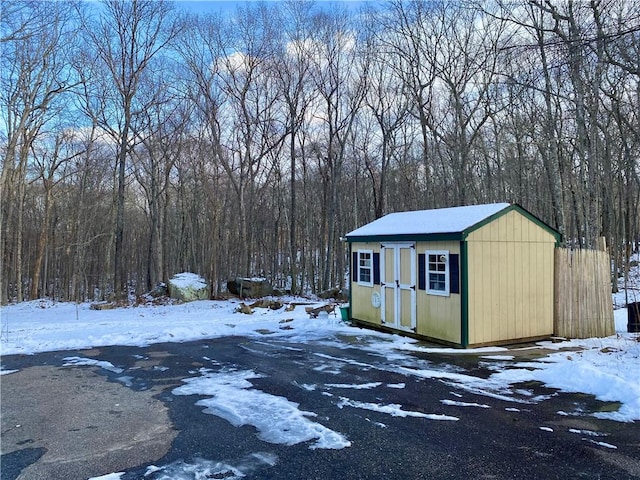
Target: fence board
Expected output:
[583,305]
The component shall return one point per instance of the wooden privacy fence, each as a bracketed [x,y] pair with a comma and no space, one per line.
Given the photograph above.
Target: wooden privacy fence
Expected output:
[583,305]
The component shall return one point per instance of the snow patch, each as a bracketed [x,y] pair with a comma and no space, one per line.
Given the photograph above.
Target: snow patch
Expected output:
[469,383]
[394,410]
[603,444]
[201,468]
[90,362]
[377,424]
[463,404]
[188,280]
[364,386]
[589,433]
[605,368]
[277,419]
[309,387]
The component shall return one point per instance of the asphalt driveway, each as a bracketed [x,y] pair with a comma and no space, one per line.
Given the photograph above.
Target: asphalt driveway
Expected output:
[83,414]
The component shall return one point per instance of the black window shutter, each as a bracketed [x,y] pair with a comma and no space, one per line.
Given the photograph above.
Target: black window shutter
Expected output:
[454,273]
[376,268]
[354,270]
[422,271]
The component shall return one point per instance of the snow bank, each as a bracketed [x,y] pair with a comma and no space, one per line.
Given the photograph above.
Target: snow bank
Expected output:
[43,326]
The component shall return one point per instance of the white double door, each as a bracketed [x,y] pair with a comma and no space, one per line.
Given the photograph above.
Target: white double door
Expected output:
[398,285]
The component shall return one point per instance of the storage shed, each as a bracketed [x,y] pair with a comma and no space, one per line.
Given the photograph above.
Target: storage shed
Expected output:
[464,276]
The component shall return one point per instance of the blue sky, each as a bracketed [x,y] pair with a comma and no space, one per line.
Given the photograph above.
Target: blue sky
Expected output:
[213,6]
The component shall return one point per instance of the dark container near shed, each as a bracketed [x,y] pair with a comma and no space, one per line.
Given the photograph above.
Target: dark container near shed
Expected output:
[633,316]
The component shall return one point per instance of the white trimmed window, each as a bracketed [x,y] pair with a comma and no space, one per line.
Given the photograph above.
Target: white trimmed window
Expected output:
[437,272]
[365,268]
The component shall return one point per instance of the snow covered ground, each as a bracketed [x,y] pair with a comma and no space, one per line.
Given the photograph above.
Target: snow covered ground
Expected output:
[604,367]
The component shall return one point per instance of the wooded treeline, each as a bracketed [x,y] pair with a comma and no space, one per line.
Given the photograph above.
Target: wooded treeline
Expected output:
[139,140]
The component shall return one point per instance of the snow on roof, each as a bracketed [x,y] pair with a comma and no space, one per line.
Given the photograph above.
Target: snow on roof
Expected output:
[440,220]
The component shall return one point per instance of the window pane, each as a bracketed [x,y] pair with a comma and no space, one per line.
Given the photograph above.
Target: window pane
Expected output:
[437,281]
[437,272]
[365,264]
[365,275]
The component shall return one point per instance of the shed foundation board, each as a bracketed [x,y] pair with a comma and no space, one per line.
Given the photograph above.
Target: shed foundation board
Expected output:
[417,336]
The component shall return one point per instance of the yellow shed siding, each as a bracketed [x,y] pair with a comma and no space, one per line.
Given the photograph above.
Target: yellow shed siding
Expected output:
[439,317]
[510,280]
[361,306]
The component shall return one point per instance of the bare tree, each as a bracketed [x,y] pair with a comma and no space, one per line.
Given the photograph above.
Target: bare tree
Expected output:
[37,44]
[161,132]
[256,126]
[293,68]
[388,102]
[408,42]
[50,163]
[199,49]
[127,36]
[339,73]
[466,66]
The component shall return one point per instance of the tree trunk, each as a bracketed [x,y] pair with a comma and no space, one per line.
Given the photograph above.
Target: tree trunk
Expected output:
[293,249]
[119,288]
[42,241]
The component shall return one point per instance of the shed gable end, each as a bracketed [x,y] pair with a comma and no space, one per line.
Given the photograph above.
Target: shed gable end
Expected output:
[513,226]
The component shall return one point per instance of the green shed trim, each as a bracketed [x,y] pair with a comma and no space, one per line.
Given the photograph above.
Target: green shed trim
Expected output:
[350,279]
[424,237]
[464,300]
[530,216]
